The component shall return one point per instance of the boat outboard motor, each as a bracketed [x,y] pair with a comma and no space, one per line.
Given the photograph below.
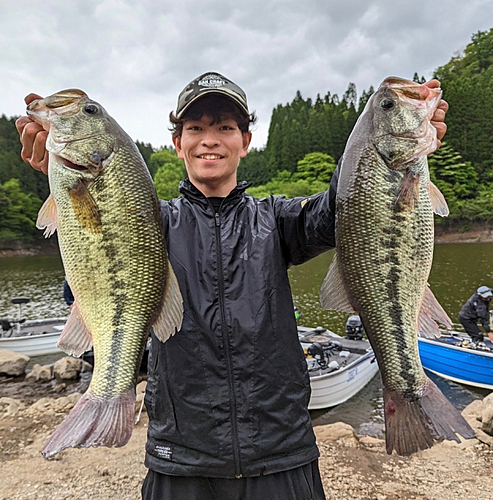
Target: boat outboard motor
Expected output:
[354,328]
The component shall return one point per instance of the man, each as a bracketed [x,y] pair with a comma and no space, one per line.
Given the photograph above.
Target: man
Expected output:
[227,395]
[476,310]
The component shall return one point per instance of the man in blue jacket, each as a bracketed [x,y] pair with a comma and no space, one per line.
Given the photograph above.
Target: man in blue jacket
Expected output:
[227,396]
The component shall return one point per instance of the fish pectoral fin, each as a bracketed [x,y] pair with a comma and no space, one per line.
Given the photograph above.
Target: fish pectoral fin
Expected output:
[48,217]
[85,208]
[431,314]
[75,338]
[438,202]
[170,317]
[408,196]
[333,294]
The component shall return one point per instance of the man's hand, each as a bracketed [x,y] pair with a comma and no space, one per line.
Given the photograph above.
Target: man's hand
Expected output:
[438,119]
[33,140]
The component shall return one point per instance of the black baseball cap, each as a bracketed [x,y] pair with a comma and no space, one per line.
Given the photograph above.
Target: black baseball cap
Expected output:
[210,83]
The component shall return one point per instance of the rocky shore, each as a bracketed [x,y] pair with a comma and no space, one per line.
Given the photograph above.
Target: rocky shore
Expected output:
[352,466]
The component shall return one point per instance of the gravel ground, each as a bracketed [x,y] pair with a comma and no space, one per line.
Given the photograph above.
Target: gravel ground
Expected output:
[352,467]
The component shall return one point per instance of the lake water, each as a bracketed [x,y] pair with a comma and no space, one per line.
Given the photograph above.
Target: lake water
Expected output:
[458,269]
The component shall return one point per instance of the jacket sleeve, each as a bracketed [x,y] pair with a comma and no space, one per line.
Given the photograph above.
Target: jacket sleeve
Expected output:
[482,312]
[307,225]
[164,207]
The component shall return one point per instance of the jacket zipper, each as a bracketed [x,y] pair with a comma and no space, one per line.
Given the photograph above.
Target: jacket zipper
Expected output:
[227,355]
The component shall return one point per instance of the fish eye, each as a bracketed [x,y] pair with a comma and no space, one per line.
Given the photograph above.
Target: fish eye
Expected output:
[387,104]
[91,109]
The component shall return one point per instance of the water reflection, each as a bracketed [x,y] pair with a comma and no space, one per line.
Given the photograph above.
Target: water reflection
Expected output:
[38,277]
[458,269]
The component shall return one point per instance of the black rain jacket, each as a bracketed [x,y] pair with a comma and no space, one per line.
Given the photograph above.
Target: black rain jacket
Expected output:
[476,309]
[227,395]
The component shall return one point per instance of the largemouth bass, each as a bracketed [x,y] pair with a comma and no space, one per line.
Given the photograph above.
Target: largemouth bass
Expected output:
[104,207]
[384,250]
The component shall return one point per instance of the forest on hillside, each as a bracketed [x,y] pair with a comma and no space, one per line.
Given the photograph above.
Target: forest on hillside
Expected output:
[306,139]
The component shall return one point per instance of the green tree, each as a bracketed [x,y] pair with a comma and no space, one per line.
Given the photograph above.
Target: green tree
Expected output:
[255,168]
[18,211]
[146,151]
[170,170]
[467,83]
[316,167]
[11,164]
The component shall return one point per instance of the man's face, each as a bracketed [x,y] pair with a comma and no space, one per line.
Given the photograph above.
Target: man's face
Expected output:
[212,152]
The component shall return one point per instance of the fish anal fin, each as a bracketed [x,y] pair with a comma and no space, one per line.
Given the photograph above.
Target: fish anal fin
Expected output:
[438,202]
[94,421]
[85,208]
[169,319]
[48,217]
[414,424]
[431,314]
[333,294]
[408,196]
[75,338]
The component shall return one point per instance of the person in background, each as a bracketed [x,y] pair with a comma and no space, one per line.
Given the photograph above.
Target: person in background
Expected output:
[227,395]
[67,293]
[476,310]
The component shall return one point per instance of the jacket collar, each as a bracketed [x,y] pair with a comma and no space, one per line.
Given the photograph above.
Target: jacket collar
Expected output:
[193,194]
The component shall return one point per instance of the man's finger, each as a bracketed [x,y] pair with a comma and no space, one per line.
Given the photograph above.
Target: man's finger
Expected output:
[441,128]
[433,84]
[31,97]
[443,105]
[39,158]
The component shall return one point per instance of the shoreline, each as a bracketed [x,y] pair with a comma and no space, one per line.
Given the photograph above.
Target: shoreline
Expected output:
[480,234]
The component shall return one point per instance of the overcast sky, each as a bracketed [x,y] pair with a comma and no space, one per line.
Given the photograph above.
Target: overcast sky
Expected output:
[135,56]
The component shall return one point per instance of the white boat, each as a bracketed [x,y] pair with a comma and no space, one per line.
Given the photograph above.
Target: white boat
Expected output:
[339,367]
[31,338]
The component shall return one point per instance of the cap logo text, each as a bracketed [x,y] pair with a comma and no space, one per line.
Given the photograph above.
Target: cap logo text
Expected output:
[211,81]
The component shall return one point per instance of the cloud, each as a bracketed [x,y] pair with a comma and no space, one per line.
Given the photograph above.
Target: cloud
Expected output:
[135,57]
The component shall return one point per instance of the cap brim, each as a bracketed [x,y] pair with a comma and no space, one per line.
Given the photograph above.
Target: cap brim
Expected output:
[213,91]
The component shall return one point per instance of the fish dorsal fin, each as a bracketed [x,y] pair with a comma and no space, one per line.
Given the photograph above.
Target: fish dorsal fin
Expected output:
[333,294]
[75,338]
[408,196]
[170,317]
[430,314]
[438,202]
[48,217]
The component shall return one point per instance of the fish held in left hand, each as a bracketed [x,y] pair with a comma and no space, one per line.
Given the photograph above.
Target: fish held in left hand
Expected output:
[104,207]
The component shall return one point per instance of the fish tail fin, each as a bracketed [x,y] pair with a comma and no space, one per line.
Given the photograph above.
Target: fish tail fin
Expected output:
[94,421]
[414,425]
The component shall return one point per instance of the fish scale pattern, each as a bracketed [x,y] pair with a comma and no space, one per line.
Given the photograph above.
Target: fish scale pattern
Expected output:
[116,268]
[386,276]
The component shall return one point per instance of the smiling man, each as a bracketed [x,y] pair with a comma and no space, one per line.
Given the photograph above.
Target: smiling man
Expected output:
[227,395]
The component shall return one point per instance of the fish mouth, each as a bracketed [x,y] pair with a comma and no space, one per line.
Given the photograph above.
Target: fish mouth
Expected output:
[65,101]
[413,91]
[72,166]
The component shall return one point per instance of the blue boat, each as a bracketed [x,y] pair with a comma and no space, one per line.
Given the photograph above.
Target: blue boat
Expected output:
[455,358]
